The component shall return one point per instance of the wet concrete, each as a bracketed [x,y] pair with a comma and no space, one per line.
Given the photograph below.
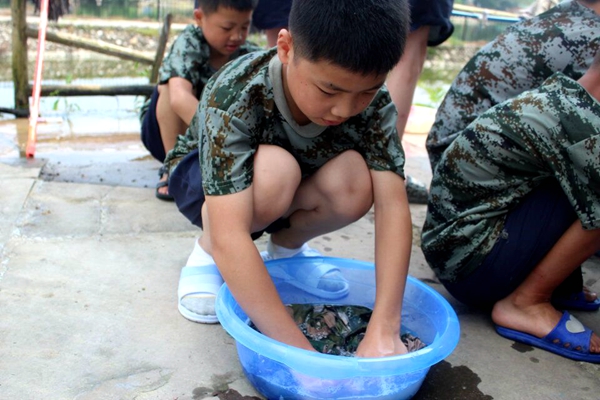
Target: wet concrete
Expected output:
[445,382]
[89,267]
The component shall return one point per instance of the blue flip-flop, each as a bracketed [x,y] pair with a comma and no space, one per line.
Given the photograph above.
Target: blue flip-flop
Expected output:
[575,301]
[569,338]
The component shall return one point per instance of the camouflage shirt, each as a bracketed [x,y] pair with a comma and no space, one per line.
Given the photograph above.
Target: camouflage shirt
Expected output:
[551,132]
[188,58]
[564,39]
[338,329]
[244,106]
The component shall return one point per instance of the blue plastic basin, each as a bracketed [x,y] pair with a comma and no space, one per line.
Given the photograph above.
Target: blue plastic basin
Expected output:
[279,371]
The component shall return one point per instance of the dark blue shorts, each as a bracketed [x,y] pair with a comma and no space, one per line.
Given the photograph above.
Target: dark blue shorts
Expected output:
[530,231]
[271,14]
[185,185]
[434,13]
[151,132]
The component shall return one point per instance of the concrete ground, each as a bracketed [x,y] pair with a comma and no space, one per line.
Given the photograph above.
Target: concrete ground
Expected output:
[90,262]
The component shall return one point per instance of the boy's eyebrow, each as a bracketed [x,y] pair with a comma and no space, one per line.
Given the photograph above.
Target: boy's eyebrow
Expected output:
[339,89]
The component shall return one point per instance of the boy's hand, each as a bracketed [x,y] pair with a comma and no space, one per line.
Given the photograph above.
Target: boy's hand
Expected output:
[380,341]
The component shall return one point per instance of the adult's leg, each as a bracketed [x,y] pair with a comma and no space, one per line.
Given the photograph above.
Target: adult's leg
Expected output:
[402,80]
[272,35]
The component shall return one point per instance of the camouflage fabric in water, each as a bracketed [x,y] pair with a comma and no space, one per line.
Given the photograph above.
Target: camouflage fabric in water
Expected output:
[549,133]
[563,39]
[244,106]
[188,58]
[338,329]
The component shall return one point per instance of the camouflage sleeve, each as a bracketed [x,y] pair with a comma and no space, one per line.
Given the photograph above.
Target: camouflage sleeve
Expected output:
[227,150]
[570,148]
[379,138]
[563,39]
[186,58]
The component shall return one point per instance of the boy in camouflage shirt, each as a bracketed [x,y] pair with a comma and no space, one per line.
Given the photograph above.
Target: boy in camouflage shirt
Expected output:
[515,209]
[565,39]
[218,36]
[299,140]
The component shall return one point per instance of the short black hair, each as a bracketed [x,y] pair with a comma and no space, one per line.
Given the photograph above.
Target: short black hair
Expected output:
[364,36]
[211,6]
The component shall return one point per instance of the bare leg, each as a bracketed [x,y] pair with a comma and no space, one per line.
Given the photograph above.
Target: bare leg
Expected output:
[170,124]
[528,308]
[273,189]
[272,35]
[402,81]
[337,195]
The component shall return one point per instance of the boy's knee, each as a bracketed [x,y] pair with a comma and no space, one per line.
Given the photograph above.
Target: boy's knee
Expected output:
[350,188]
[276,179]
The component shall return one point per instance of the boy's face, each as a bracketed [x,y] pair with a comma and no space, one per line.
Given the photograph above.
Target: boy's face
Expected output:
[225,30]
[320,92]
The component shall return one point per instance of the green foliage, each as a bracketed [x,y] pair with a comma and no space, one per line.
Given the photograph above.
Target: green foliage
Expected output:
[497,4]
[258,39]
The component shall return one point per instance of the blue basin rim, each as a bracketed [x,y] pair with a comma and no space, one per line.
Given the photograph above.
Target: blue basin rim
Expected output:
[336,367]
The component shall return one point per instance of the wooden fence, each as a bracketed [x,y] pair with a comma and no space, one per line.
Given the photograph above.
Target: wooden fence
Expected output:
[22,90]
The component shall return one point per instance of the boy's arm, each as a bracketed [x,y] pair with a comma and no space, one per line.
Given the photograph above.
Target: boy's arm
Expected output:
[238,260]
[393,241]
[182,98]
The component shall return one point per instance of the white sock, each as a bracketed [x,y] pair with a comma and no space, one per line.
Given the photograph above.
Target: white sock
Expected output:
[275,251]
[199,257]
[201,304]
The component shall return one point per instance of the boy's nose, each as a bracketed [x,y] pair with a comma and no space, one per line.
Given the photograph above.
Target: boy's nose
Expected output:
[237,35]
[343,110]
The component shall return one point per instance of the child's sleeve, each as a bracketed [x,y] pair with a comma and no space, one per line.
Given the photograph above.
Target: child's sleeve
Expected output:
[227,149]
[186,59]
[379,138]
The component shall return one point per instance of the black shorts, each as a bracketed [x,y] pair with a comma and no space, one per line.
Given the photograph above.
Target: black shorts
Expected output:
[185,185]
[151,132]
[433,13]
[530,230]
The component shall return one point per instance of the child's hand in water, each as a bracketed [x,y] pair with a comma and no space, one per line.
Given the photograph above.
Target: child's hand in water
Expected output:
[381,340]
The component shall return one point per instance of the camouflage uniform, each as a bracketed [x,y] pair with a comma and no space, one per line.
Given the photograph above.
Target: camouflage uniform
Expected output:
[188,58]
[338,329]
[549,133]
[565,39]
[244,106]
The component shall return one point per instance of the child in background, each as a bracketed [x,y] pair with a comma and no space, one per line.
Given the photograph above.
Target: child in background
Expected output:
[218,36]
[299,140]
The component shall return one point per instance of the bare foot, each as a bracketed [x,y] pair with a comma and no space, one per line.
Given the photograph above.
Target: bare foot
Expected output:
[165,189]
[589,295]
[535,319]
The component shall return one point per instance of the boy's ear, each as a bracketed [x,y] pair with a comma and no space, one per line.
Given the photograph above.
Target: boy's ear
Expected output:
[285,46]
[198,14]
